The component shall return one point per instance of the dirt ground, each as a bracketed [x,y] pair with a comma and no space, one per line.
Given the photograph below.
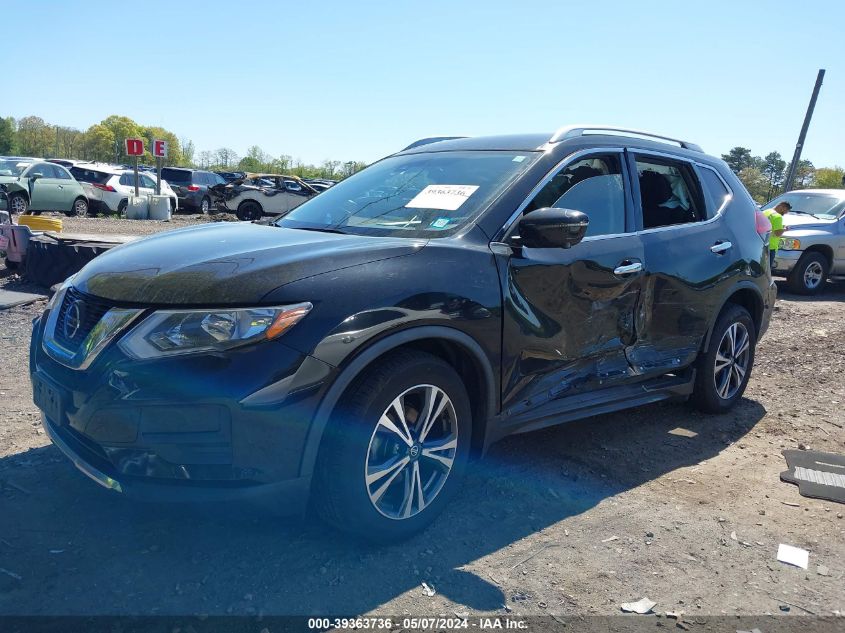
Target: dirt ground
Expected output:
[569,521]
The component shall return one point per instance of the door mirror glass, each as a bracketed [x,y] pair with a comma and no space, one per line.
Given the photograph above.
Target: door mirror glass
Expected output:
[553,228]
[36,175]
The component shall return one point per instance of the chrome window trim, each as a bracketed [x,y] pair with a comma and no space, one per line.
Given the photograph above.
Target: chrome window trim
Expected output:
[720,210]
[501,234]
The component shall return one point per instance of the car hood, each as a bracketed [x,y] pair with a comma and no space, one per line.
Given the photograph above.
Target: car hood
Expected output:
[799,220]
[226,263]
[6,179]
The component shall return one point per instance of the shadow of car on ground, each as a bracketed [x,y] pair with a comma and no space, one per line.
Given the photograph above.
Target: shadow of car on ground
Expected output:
[80,549]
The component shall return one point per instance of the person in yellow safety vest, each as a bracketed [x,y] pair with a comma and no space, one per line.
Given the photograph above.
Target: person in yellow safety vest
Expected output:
[775,216]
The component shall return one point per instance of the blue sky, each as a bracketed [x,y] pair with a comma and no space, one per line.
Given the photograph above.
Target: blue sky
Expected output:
[359,80]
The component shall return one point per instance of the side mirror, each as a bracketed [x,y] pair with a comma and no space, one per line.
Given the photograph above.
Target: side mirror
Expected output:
[36,175]
[553,228]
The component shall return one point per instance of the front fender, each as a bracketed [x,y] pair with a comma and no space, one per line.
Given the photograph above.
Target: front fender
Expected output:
[353,368]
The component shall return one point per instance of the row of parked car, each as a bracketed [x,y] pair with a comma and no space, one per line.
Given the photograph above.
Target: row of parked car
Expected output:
[78,188]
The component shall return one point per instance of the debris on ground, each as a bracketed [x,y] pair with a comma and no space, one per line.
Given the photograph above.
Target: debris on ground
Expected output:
[822,570]
[793,556]
[609,539]
[428,590]
[682,432]
[641,606]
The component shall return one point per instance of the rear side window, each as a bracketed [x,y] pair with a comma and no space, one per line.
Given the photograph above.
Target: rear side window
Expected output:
[592,185]
[670,193]
[200,178]
[90,175]
[61,173]
[718,193]
[176,175]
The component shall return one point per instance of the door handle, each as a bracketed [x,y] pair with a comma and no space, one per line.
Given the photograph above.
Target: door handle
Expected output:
[720,247]
[628,267]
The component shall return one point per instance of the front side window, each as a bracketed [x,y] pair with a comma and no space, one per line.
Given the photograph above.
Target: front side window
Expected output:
[413,195]
[592,185]
[669,192]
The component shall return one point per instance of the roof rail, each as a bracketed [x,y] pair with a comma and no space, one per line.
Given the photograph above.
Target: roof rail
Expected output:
[573,131]
[431,139]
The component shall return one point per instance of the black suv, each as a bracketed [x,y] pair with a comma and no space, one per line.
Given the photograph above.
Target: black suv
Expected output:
[360,350]
[191,187]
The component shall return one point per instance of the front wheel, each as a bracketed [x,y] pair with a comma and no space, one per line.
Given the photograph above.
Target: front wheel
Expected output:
[395,448]
[723,371]
[809,274]
[18,204]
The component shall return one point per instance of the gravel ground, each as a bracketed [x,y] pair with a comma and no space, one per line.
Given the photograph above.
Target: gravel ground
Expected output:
[570,521]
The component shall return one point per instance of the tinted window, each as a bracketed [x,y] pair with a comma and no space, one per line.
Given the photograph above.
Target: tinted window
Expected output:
[592,185]
[179,176]
[719,193]
[669,192]
[148,182]
[90,175]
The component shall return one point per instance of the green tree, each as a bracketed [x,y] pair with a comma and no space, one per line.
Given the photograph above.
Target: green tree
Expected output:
[7,135]
[174,149]
[187,151]
[829,178]
[773,166]
[35,137]
[99,144]
[738,159]
[756,182]
[803,175]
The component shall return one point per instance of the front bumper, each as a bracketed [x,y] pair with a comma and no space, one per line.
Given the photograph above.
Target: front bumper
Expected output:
[785,261]
[230,426]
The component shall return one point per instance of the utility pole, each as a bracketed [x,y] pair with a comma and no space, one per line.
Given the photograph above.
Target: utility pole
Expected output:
[796,157]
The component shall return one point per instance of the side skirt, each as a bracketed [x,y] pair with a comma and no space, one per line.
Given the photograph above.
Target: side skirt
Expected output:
[585,405]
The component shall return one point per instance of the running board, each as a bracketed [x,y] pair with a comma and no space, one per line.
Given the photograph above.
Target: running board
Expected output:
[598,402]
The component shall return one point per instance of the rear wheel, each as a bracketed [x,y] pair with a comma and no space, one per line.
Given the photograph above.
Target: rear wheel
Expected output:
[250,211]
[205,206]
[723,371]
[395,448]
[121,207]
[809,274]
[79,209]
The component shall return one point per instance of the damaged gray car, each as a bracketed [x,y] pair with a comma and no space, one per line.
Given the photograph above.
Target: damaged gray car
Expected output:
[257,195]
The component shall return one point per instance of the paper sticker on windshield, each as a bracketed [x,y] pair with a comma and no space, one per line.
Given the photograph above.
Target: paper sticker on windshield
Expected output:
[440,223]
[518,159]
[442,197]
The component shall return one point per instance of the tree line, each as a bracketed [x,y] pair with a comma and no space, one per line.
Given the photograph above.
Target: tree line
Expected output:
[765,176]
[104,142]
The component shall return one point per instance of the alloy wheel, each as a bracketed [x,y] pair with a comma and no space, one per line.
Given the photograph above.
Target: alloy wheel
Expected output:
[80,208]
[204,206]
[411,452]
[732,359]
[18,205]
[813,275]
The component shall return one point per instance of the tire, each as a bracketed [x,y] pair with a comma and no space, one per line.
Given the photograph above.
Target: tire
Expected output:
[205,206]
[121,207]
[356,441]
[79,209]
[18,204]
[718,388]
[809,275]
[249,211]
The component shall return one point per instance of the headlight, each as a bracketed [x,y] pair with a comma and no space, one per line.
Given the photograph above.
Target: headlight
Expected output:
[789,244]
[173,332]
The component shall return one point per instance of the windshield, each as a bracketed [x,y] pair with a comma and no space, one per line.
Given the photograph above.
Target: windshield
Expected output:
[176,175]
[417,195]
[13,167]
[820,205]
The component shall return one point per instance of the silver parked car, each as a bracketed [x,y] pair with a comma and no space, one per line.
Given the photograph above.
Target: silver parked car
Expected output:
[812,247]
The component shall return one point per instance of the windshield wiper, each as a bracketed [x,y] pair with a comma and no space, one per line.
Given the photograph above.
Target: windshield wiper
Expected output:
[326,229]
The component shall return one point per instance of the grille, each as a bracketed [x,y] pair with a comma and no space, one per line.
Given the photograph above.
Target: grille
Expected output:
[77,306]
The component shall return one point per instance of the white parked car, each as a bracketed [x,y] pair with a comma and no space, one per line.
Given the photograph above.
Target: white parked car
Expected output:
[108,187]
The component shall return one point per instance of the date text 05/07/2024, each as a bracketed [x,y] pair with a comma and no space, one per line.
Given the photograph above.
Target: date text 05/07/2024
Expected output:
[418,623]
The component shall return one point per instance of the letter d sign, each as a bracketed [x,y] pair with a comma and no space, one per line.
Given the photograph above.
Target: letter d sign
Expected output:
[134,147]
